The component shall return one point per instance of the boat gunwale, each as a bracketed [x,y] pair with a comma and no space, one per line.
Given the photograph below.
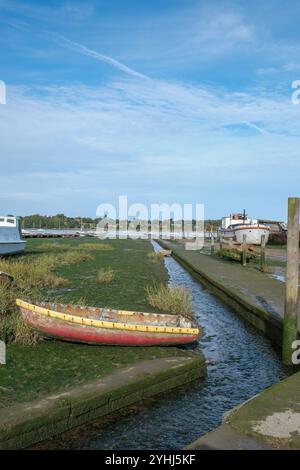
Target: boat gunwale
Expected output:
[244,227]
[105,324]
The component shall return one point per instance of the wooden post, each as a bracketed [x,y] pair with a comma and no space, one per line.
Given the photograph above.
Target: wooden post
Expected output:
[291,288]
[221,242]
[263,253]
[212,244]
[244,250]
[244,254]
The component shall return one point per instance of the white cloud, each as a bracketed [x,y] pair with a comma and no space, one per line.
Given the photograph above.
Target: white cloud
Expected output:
[144,138]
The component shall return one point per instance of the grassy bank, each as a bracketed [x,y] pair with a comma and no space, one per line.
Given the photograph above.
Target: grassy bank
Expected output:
[67,270]
[32,372]
[127,259]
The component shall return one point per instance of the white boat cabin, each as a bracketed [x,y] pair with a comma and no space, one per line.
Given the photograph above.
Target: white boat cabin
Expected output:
[10,236]
[237,219]
[10,229]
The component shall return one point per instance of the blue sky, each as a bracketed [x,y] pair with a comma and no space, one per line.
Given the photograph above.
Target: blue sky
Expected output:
[164,101]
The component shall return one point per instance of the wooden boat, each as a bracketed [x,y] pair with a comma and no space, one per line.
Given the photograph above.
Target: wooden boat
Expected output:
[236,226]
[165,253]
[106,326]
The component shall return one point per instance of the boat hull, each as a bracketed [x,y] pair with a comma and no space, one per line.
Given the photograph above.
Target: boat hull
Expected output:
[67,331]
[253,235]
[11,248]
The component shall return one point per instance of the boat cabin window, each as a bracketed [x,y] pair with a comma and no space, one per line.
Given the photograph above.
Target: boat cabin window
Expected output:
[1,219]
[10,221]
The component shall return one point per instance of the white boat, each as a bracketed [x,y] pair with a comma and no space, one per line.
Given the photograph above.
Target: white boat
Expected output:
[235,226]
[11,241]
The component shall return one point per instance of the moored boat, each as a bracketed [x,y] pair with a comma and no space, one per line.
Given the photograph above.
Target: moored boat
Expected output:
[236,226]
[11,241]
[106,326]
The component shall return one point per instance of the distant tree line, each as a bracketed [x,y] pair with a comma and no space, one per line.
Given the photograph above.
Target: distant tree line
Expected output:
[58,221]
[61,221]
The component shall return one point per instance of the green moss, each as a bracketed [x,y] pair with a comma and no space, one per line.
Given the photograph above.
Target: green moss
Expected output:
[276,399]
[32,372]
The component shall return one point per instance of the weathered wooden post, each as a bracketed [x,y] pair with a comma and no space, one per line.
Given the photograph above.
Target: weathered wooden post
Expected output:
[263,253]
[291,288]
[212,244]
[244,254]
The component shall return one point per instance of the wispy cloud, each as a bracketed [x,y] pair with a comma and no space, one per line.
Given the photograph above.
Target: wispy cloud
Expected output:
[96,55]
[256,127]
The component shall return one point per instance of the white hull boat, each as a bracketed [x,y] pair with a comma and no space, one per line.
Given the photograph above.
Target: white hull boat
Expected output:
[236,226]
[10,236]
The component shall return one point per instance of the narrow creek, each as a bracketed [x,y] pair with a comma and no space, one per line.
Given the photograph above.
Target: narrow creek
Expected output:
[241,363]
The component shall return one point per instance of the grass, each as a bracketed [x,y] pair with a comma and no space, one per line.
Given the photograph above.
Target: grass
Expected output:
[95,246]
[32,275]
[128,259]
[49,366]
[172,299]
[105,275]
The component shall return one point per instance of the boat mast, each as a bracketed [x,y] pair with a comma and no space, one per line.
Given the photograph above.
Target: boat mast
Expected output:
[244,216]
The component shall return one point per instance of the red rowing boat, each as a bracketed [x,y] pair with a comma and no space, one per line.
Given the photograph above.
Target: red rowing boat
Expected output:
[106,326]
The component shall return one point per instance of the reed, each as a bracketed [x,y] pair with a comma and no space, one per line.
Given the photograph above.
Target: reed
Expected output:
[171,299]
[105,275]
[156,256]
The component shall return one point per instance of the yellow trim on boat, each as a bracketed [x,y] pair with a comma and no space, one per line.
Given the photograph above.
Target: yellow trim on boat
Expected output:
[105,324]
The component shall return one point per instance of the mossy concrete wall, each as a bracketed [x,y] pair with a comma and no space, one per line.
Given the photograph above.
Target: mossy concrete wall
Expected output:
[24,424]
[270,420]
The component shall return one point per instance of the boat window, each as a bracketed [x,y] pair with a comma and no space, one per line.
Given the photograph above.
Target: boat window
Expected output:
[1,219]
[10,221]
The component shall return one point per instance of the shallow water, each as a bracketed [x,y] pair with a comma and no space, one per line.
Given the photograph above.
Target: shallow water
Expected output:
[241,363]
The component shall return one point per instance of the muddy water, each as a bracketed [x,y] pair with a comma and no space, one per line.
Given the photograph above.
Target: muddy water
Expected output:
[241,364]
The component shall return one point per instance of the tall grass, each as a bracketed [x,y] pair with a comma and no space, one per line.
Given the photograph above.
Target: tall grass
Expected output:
[54,245]
[156,256]
[90,246]
[171,299]
[94,246]
[53,260]
[12,327]
[30,275]
[105,275]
